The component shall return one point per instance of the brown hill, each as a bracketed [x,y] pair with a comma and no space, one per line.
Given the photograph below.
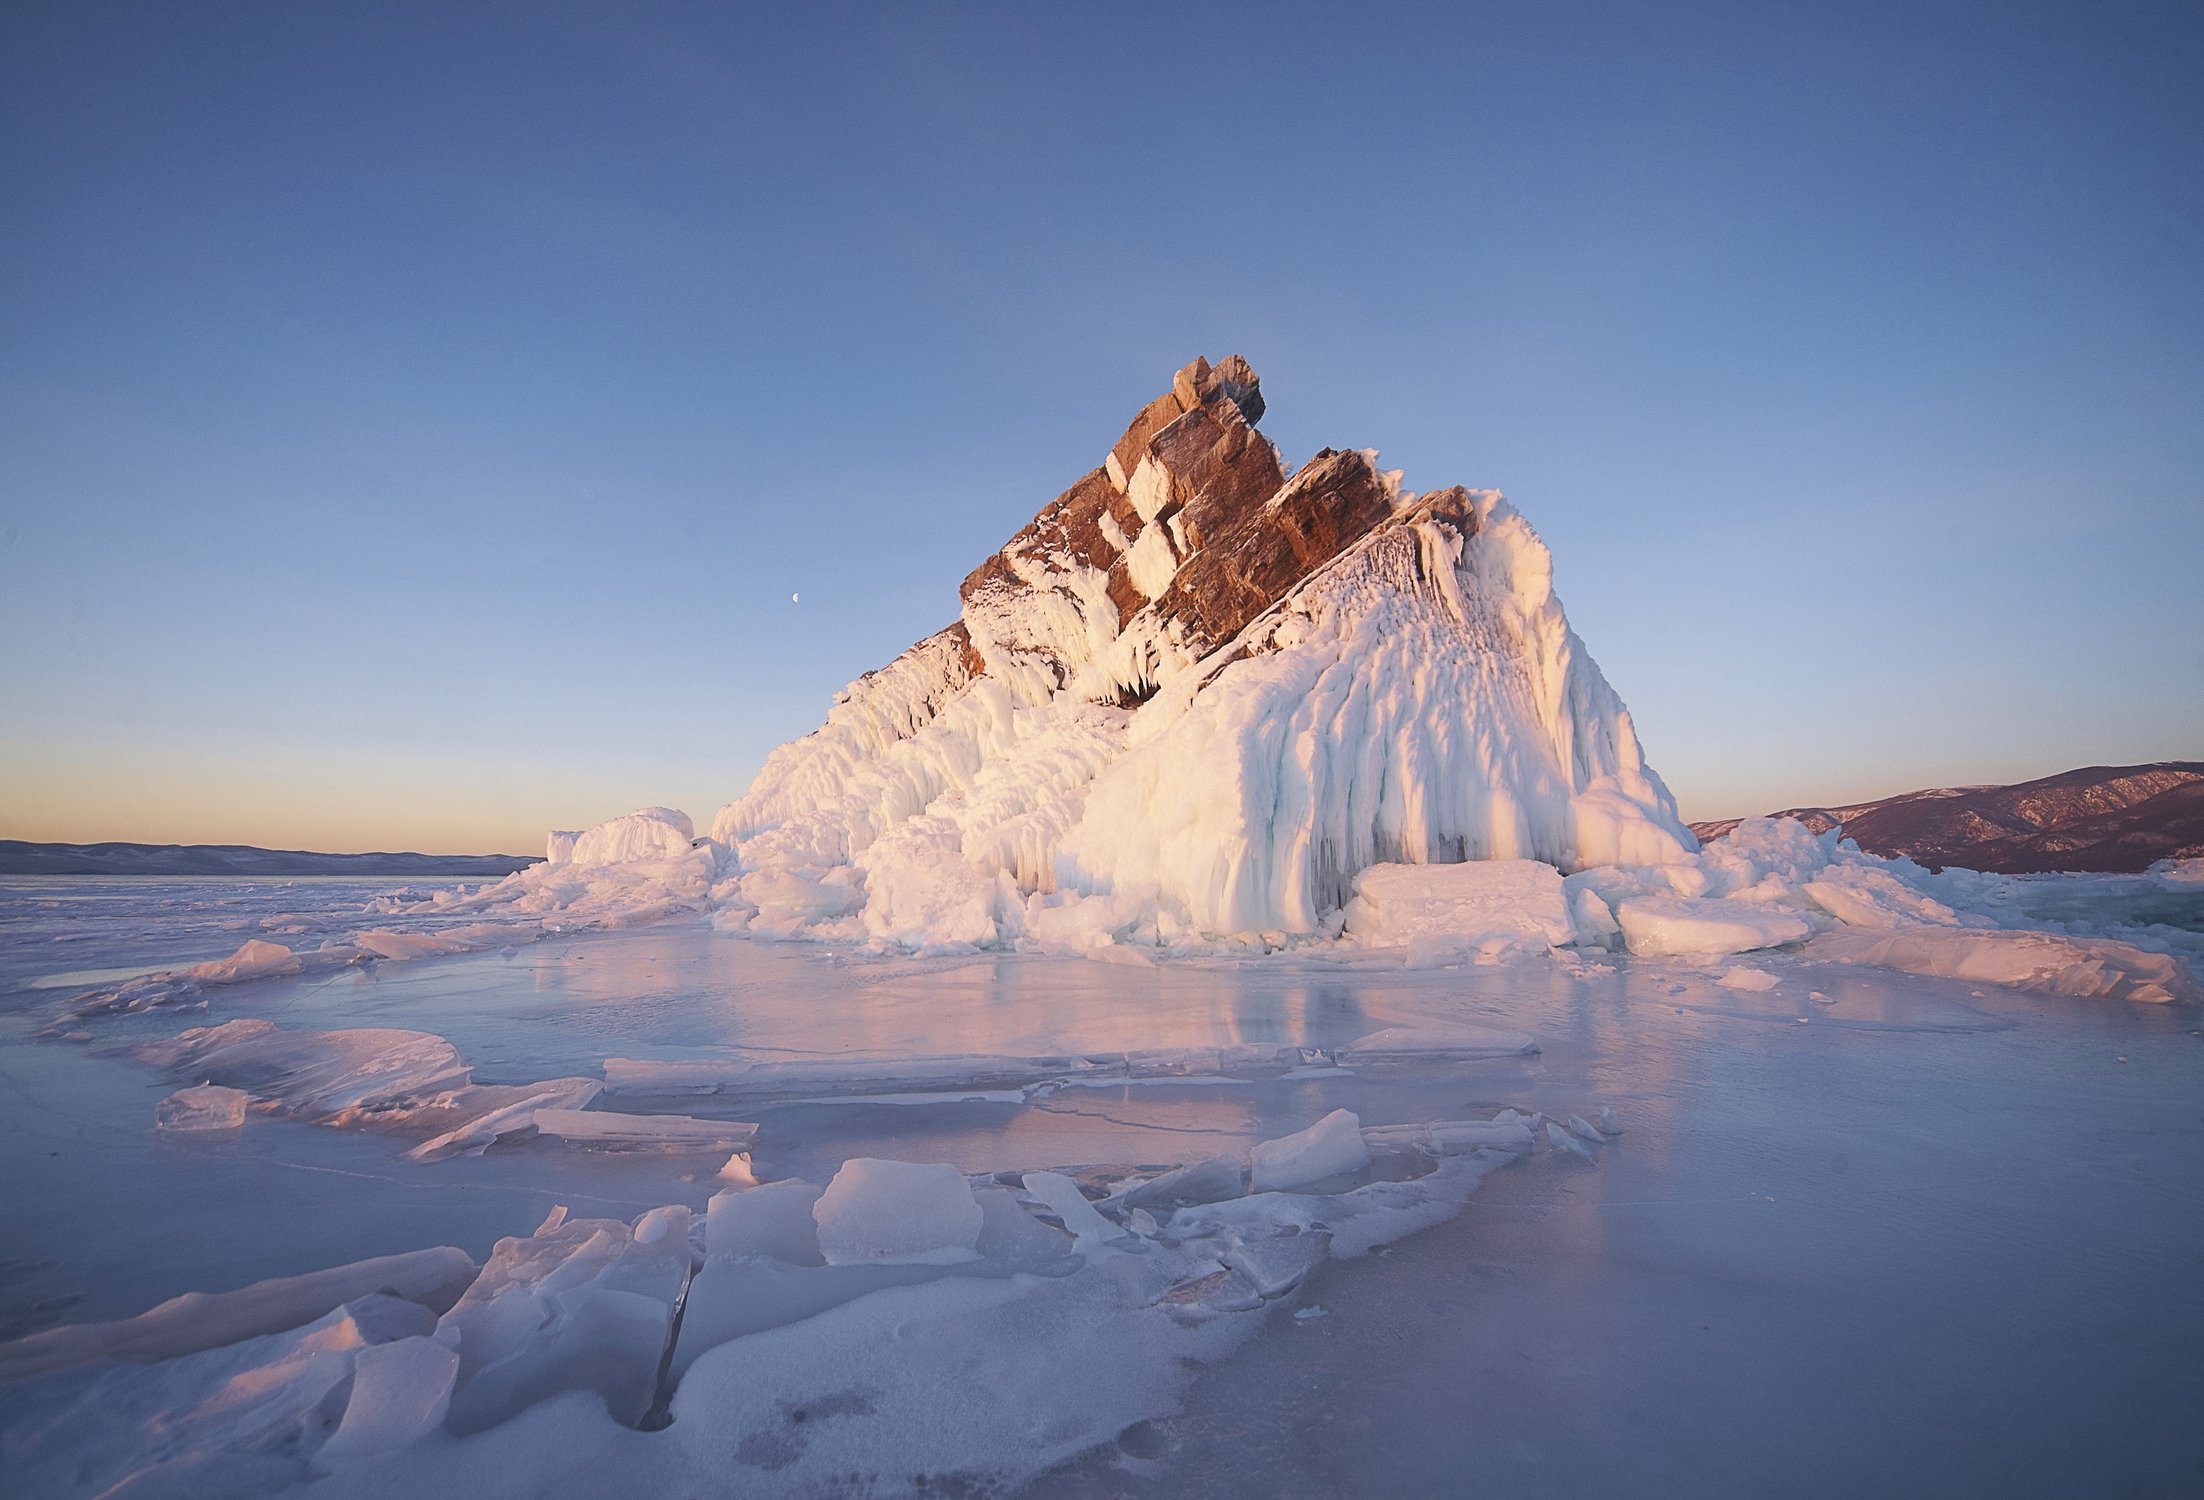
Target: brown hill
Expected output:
[2110,819]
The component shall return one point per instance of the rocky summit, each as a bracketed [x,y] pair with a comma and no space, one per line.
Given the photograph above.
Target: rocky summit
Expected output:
[1199,694]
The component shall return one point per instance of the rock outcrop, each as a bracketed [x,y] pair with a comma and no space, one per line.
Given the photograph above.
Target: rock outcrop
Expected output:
[1196,695]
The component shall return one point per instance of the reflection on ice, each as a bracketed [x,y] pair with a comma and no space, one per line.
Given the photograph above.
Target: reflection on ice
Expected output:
[1094,1181]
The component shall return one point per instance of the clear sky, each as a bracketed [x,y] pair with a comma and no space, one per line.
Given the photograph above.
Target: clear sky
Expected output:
[415,418]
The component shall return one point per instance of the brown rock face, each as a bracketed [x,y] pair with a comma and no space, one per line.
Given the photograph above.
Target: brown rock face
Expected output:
[1191,501]
[1070,526]
[1194,388]
[1260,552]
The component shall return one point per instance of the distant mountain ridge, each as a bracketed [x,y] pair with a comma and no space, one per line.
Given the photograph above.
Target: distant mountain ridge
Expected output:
[21,857]
[2105,819]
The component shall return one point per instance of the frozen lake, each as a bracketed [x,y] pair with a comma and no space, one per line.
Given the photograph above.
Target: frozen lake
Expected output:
[1861,1232]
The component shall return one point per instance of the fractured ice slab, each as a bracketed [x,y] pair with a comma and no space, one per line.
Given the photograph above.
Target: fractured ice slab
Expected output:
[584,1304]
[1330,1147]
[878,1210]
[256,959]
[1673,925]
[490,1114]
[207,1108]
[773,1220]
[1275,1264]
[606,1128]
[1452,1137]
[763,1269]
[207,1320]
[400,1393]
[1210,1181]
[1515,904]
[2095,968]
[396,946]
[313,1074]
[1063,1198]
[954,1075]
[234,1420]
[1397,1045]
[1011,1236]
[1564,1140]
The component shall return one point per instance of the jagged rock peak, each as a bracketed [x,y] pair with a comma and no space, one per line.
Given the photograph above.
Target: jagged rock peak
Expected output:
[1194,694]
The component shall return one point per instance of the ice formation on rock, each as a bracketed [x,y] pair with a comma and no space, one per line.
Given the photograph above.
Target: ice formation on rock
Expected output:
[1200,705]
[1194,696]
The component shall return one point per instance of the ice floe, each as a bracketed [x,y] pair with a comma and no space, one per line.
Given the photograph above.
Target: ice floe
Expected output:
[1331,1147]
[992,1331]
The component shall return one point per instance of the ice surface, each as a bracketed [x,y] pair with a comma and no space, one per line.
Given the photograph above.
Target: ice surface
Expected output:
[1742,978]
[879,1210]
[208,1107]
[1767,1188]
[955,1075]
[1510,904]
[1330,1147]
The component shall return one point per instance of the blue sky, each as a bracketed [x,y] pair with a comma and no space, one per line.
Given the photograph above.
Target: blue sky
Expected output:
[414,419]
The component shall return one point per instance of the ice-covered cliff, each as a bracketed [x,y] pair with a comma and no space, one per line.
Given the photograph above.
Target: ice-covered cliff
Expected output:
[1196,695]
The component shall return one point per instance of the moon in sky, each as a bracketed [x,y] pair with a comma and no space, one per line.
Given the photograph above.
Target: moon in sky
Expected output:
[795,598]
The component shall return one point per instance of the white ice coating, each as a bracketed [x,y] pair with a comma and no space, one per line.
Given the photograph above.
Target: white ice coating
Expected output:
[648,833]
[1419,699]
